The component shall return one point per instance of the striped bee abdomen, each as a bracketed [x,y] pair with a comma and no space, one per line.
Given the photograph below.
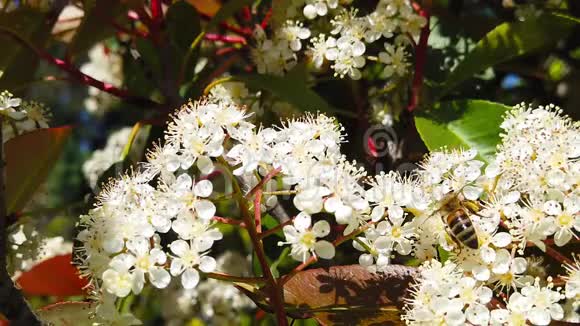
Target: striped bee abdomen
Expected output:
[461,228]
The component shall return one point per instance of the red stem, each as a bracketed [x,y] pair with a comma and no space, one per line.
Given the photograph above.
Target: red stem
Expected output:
[420,60]
[75,73]
[156,12]
[258,211]
[265,180]
[558,256]
[246,14]
[225,38]
[226,220]
[276,228]
[266,19]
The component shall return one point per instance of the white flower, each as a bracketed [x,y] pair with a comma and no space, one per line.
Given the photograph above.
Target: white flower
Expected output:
[315,8]
[118,279]
[8,106]
[188,259]
[508,270]
[572,288]
[148,262]
[544,302]
[292,32]
[566,220]
[323,48]
[395,60]
[302,238]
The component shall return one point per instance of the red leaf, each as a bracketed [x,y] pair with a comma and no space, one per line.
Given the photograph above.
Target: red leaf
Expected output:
[55,276]
[29,159]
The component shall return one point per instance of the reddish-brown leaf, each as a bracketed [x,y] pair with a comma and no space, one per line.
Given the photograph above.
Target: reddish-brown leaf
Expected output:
[55,276]
[351,295]
[29,159]
[206,7]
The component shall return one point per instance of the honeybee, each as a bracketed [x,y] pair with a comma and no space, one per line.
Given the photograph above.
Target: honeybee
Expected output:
[458,221]
[460,228]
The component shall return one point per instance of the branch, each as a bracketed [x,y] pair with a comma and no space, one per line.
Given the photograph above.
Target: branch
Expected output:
[12,304]
[420,59]
[275,291]
[75,73]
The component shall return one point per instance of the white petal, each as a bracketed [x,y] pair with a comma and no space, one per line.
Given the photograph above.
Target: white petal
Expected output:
[501,239]
[331,204]
[176,267]
[207,264]
[205,165]
[366,260]
[159,277]
[205,209]
[203,188]
[539,316]
[183,182]
[302,222]
[190,278]
[321,229]
[179,247]
[377,213]
[324,249]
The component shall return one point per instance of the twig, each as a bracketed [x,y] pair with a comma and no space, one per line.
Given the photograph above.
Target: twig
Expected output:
[258,211]
[233,278]
[276,228]
[275,290]
[12,304]
[265,180]
[75,73]
[229,221]
[420,59]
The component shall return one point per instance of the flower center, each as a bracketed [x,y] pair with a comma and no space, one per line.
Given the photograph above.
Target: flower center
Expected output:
[144,263]
[308,239]
[565,220]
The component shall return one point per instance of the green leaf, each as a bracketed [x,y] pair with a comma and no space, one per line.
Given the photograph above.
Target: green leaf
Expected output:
[17,62]
[183,25]
[507,41]
[463,124]
[292,90]
[96,25]
[68,314]
[227,11]
[29,159]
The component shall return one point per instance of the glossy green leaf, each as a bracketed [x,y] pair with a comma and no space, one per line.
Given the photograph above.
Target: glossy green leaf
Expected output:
[507,41]
[463,124]
[29,159]
[292,90]
[183,24]
[18,62]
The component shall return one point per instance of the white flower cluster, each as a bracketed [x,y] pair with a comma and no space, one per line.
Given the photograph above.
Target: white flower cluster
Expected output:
[21,116]
[107,66]
[539,159]
[455,203]
[345,43]
[214,301]
[445,296]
